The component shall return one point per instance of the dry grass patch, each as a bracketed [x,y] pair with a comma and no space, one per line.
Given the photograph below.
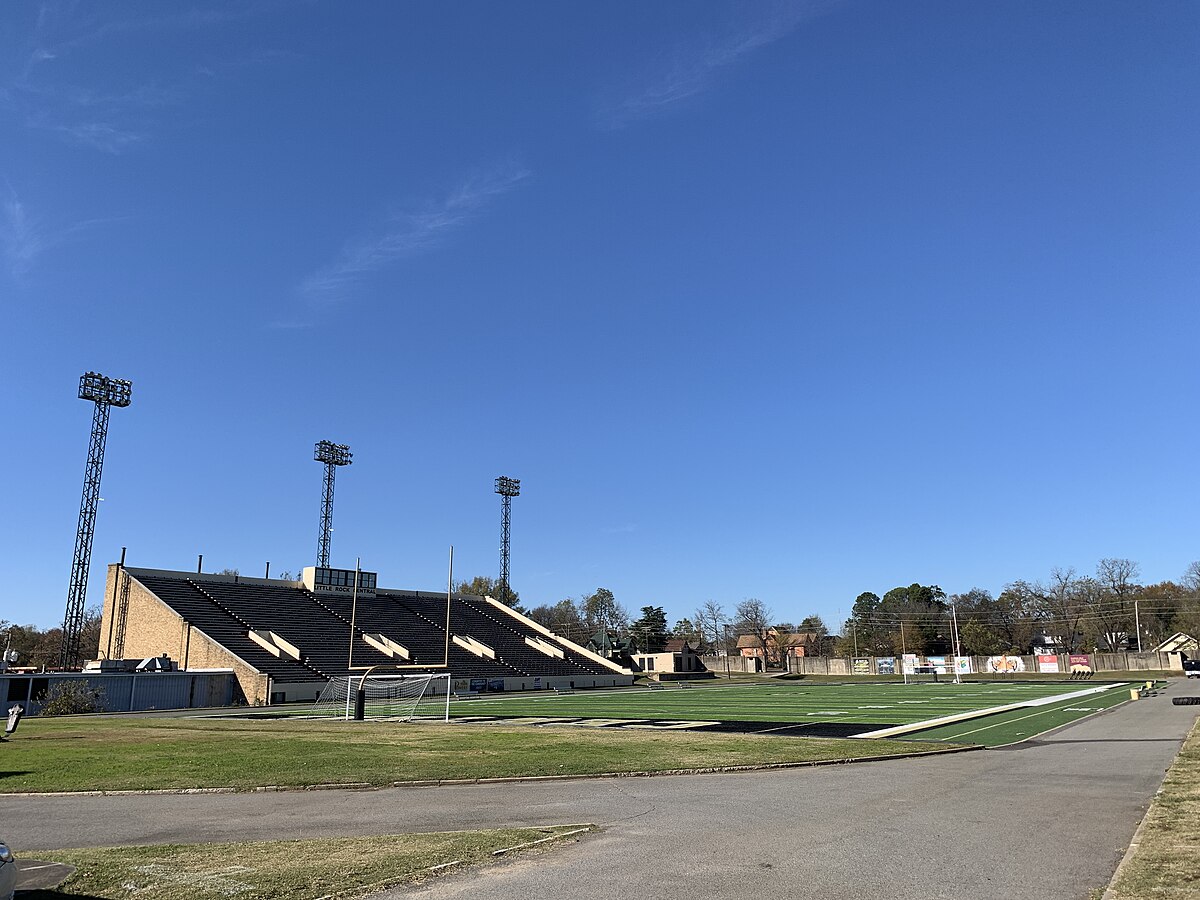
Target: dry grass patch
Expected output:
[274,870]
[1164,865]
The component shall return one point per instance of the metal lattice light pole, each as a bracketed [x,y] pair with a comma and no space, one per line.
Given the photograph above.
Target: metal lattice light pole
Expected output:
[333,455]
[507,488]
[105,393]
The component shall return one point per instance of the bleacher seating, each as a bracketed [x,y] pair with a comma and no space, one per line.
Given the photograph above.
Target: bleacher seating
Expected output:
[225,628]
[488,625]
[318,626]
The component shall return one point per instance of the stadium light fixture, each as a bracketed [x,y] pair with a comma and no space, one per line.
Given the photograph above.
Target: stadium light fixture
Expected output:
[507,488]
[101,389]
[105,392]
[332,455]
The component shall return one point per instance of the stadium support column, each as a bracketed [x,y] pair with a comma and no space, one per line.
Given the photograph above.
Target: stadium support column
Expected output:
[507,488]
[105,393]
[332,455]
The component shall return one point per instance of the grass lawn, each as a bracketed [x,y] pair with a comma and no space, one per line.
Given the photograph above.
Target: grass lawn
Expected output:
[109,753]
[1164,864]
[283,870]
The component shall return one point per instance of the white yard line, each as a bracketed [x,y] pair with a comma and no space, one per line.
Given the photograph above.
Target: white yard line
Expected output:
[962,717]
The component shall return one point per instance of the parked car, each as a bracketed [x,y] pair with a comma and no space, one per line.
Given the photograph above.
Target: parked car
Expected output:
[1191,668]
[8,872]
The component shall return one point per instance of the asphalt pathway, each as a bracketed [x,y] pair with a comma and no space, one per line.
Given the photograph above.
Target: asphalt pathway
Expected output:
[1050,817]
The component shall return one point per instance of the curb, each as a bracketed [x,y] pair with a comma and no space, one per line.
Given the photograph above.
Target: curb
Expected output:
[512,779]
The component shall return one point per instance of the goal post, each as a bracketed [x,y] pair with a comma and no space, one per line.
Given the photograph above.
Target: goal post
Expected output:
[930,669]
[386,695]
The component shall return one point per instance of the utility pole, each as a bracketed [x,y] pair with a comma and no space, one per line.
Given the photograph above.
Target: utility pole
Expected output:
[726,628]
[957,653]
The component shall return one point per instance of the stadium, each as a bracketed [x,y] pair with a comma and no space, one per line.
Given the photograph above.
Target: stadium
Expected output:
[221,687]
[780,303]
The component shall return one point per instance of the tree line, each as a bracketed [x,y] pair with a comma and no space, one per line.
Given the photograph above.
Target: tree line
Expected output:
[40,647]
[1108,610]
[709,628]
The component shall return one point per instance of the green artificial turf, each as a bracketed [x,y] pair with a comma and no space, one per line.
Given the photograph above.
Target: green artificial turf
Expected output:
[872,705]
[1021,724]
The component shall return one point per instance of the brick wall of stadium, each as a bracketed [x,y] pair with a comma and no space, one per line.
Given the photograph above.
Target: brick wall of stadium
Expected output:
[152,628]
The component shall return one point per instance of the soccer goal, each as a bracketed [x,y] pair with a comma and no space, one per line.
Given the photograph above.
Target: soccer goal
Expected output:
[382,695]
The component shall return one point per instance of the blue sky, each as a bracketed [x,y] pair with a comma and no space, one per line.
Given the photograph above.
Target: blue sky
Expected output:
[786,301]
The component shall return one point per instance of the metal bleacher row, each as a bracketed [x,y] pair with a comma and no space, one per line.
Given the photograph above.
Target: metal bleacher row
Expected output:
[320,628]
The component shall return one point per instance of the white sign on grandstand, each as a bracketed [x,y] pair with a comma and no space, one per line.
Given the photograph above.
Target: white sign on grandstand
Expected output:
[384,696]
[338,581]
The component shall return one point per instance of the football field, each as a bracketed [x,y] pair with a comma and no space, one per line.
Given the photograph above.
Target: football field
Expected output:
[990,713]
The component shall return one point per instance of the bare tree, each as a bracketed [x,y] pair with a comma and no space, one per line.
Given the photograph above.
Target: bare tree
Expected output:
[711,619]
[754,617]
[1118,576]
[1064,606]
[1115,610]
[1191,577]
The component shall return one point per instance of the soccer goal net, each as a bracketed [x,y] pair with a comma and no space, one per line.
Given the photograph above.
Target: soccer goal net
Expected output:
[397,698]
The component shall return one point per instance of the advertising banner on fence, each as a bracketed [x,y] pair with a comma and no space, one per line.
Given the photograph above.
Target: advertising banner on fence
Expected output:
[1081,663]
[1047,663]
[962,665]
[885,665]
[909,661]
[860,666]
[939,664]
[1005,665]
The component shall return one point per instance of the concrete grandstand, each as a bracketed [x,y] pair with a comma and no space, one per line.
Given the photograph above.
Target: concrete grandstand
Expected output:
[286,639]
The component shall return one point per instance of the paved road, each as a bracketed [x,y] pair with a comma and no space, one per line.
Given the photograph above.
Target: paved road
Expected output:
[1050,818]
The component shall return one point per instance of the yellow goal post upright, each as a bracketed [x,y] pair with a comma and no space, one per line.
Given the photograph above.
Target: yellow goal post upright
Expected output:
[359,693]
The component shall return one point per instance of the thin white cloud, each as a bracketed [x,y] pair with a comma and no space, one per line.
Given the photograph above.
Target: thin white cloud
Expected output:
[61,30]
[628,528]
[111,121]
[20,237]
[24,237]
[101,136]
[408,234]
[694,67]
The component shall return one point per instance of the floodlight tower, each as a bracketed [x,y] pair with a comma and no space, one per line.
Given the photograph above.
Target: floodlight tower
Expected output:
[507,488]
[333,455]
[105,393]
